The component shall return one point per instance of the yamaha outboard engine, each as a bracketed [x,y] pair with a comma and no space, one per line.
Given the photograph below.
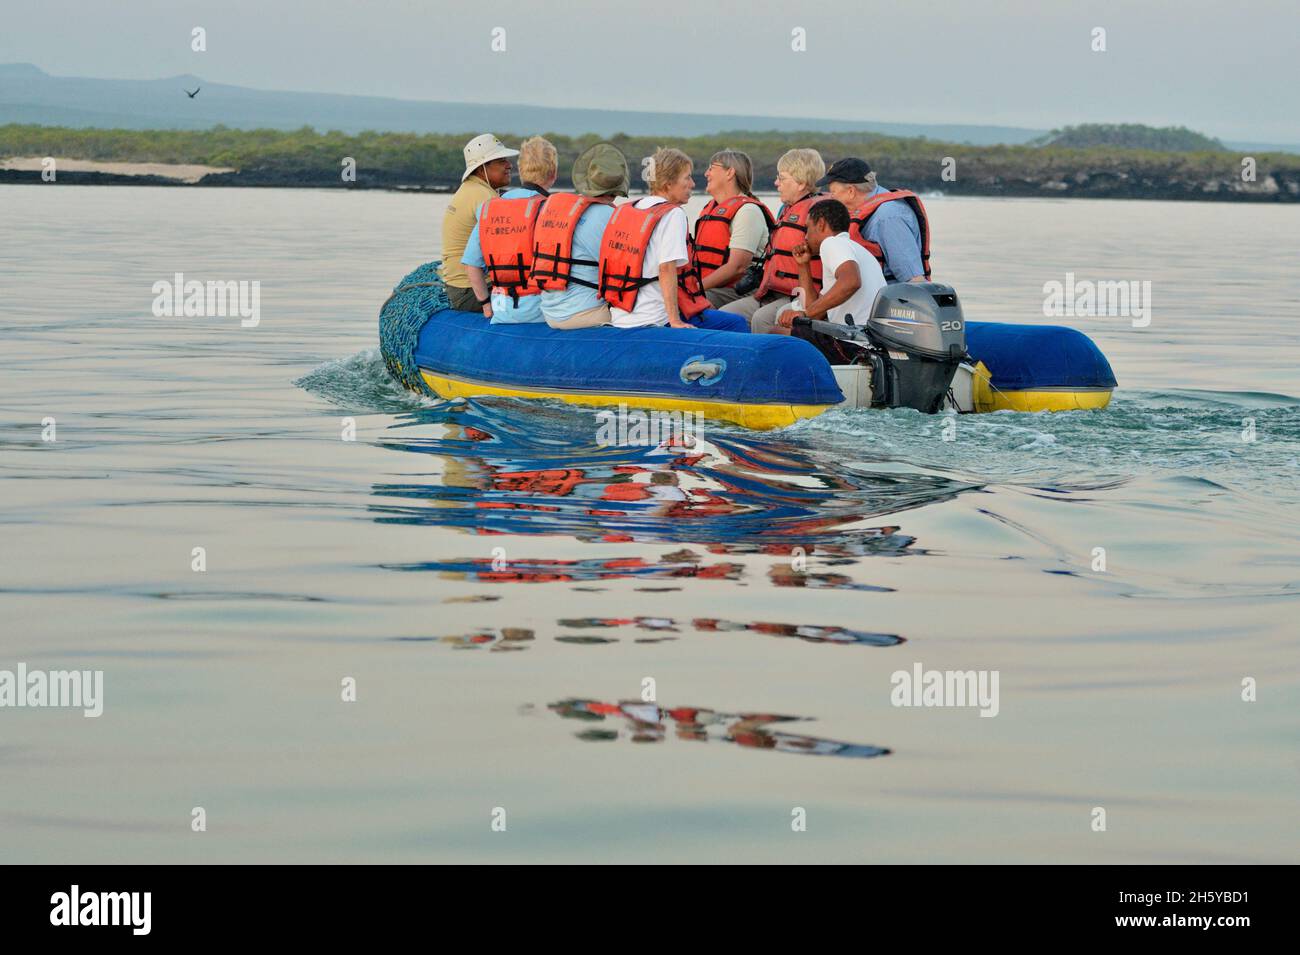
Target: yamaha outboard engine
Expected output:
[920,339]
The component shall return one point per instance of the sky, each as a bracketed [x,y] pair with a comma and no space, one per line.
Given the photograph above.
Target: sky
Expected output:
[1228,69]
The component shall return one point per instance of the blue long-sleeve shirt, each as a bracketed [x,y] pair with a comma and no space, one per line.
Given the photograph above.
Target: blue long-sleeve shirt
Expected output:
[893,227]
[504,310]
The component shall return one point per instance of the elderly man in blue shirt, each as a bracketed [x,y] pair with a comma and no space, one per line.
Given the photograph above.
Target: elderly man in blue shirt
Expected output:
[891,224]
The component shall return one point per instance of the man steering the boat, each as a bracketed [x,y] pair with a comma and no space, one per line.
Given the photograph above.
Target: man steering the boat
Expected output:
[851,278]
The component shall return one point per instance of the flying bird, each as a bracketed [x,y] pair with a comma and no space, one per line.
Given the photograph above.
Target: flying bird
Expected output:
[194,94]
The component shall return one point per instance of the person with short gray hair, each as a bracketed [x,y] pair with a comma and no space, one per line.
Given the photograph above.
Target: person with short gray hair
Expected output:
[891,224]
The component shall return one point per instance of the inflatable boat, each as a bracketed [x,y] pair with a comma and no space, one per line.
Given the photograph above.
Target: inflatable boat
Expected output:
[915,350]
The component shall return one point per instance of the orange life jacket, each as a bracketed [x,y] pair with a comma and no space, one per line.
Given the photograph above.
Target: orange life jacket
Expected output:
[622,256]
[713,232]
[625,491]
[553,260]
[858,226]
[505,234]
[557,481]
[780,273]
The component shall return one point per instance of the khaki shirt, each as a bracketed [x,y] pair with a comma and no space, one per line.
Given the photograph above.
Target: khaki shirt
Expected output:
[749,230]
[457,224]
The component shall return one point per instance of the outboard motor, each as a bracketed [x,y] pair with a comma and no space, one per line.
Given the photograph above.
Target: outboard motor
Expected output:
[920,339]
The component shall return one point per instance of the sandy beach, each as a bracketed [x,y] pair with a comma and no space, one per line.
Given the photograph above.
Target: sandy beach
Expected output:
[177,171]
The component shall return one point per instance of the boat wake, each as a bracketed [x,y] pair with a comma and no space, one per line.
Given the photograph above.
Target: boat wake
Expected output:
[830,486]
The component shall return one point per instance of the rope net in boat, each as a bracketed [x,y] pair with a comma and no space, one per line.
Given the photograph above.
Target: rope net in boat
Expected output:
[414,299]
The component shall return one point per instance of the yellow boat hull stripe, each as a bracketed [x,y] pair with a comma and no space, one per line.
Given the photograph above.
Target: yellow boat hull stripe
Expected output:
[764,417]
[987,398]
[758,417]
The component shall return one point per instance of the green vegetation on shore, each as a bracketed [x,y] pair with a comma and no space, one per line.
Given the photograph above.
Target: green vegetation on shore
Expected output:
[1166,139]
[306,157]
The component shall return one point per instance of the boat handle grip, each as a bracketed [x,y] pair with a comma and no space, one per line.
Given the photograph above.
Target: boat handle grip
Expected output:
[696,370]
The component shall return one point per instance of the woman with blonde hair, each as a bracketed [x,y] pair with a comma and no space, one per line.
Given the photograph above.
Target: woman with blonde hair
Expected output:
[797,172]
[538,165]
[646,273]
[500,247]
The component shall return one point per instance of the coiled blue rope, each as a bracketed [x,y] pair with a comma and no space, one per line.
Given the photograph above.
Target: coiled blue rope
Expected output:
[414,299]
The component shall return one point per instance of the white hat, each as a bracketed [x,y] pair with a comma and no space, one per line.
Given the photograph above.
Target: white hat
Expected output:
[483,149]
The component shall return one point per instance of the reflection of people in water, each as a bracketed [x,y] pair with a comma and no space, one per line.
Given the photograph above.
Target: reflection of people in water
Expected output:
[805,632]
[674,480]
[662,486]
[562,571]
[731,494]
[645,722]
[759,498]
[641,623]
[783,575]
[865,541]
[507,638]
[516,638]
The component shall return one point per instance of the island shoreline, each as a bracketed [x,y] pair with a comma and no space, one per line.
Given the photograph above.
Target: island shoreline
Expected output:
[1004,191]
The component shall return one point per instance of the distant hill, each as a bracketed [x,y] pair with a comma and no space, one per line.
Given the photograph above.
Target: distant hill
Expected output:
[1167,139]
[29,95]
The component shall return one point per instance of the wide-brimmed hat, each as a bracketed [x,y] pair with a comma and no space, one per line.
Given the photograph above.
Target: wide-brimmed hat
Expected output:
[484,149]
[601,170]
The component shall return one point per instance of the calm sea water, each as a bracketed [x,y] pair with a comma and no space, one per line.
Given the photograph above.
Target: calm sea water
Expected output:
[499,587]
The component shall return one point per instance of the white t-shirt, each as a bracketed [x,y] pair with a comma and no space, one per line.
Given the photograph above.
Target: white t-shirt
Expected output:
[837,250]
[667,244]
